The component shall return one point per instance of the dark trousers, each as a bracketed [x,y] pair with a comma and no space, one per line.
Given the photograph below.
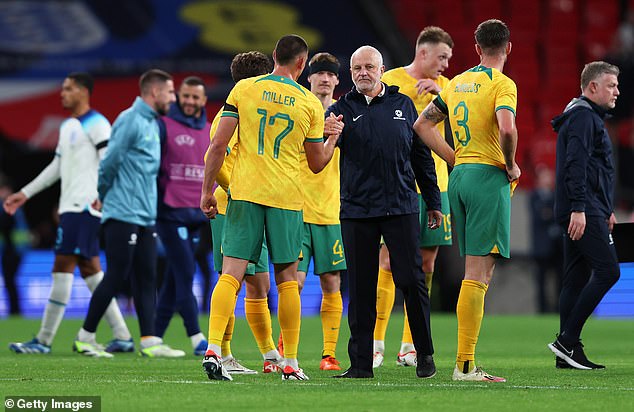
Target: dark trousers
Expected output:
[130,256]
[176,294]
[361,239]
[590,269]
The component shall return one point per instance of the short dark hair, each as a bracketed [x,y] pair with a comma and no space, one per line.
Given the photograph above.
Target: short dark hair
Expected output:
[434,35]
[492,36]
[250,64]
[594,70]
[83,79]
[195,81]
[288,48]
[152,77]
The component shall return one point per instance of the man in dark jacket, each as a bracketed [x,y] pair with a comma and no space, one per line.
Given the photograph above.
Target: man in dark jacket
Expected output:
[380,157]
[584,207]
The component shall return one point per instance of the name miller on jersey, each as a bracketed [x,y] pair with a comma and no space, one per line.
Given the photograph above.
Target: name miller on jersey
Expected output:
[274,97]
[467,87]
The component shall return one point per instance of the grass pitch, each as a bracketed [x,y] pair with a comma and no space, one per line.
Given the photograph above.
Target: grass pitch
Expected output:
[510,346]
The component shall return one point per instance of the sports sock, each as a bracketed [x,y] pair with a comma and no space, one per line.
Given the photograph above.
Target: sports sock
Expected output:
[379,346]
[149,341]
[259,319]
[225,347]
[222,305]
[470,311]
[428,279]
[406,339]
[113,313]
[331,310]
[56,306]
[272,354]
[289,314]
[85,336]
[385,293]
[196,339]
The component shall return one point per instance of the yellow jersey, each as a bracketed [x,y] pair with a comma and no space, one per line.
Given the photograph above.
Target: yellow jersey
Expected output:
[407,85]
[321,192]
[224,175]
[275,116]
[471,100]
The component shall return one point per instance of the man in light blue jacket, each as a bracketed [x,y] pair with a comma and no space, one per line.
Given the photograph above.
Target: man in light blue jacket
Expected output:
[127,189]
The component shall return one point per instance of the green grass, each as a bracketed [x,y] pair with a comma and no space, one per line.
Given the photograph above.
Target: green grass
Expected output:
[510,346]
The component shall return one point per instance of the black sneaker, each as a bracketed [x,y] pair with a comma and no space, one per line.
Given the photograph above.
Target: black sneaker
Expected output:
[573,355]
[425,367]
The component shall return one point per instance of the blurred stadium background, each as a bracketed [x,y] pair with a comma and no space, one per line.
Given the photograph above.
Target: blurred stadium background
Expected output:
[116,40]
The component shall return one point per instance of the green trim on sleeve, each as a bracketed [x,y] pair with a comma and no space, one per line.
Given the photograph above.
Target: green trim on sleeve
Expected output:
[507,108]
[314,139]
[230,114]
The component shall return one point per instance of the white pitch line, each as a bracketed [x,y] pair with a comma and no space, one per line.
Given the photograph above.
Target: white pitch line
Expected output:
[375,384]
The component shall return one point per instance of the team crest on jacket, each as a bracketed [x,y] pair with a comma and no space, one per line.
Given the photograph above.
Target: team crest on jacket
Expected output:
[398,115]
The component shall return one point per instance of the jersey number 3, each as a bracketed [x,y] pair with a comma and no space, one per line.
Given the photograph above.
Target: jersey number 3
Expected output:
[462,123]
[271,121]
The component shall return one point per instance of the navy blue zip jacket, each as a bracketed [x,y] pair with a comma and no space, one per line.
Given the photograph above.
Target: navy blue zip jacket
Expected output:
[585,168]
[184,215]
[381,155]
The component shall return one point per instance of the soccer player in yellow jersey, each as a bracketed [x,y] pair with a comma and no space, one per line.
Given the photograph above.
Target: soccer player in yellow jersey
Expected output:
[421,81]
[276,118]
[322,231]
[480,104]
[245,65]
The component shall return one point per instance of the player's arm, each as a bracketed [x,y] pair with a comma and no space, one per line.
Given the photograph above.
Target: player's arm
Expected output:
[46,178]
[318,152]
[508,141]
[425,128]
[215,157]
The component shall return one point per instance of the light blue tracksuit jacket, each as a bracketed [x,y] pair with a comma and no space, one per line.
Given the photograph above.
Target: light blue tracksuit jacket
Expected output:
[128,171]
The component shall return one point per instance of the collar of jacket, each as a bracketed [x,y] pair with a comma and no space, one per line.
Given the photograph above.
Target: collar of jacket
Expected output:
[176,113]
[354,93]
[600,111]
[144,109]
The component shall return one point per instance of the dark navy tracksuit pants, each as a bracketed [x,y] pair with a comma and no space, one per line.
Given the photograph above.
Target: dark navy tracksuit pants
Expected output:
[590,269]
[361,239]
[176,294]
[130,256]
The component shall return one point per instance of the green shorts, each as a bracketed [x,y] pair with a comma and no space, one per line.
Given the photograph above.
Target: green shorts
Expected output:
[324,244]
[217,230]
[480,199]
[246,224]
[436,237]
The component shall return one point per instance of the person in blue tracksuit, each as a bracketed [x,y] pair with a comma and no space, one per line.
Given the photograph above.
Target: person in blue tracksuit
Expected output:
[584,207]
[127,190]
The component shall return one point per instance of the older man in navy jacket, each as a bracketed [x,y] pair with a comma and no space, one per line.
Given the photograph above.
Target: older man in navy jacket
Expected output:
[584,206]
[380,157]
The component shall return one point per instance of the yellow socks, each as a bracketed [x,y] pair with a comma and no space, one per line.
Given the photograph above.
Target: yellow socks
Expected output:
[289,315]
[470,311]
[223,301]
[385,292]
[407,332]
[331,310]
[259,319]
[428,278]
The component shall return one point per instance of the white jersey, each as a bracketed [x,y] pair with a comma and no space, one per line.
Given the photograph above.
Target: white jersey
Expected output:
[76,163]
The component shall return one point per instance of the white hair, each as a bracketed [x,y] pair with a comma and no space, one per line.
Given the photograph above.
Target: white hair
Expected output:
[367,48]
